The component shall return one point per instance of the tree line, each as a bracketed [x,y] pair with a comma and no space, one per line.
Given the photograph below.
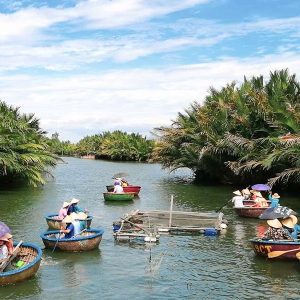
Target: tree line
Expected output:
[116,145]
[240,134]
[244,133]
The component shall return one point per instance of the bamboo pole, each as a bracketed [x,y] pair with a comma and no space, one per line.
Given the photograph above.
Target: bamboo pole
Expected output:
[171,209]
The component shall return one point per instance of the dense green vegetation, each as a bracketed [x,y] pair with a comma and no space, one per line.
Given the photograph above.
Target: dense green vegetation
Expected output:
[241,134]
[24,155]
[116,145]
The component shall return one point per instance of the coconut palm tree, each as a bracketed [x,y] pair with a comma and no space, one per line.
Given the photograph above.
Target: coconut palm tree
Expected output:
[23,153]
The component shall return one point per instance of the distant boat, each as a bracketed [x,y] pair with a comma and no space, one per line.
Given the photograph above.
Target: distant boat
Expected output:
[88,240]
[23,266]
[109,196]
[127,189]
[54,223]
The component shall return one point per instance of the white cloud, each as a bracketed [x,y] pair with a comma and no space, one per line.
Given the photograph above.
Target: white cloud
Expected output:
[100,14]
[132,100]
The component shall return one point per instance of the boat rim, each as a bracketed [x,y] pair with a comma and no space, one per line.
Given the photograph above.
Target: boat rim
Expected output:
[279,242]
[98,232]
[50,217]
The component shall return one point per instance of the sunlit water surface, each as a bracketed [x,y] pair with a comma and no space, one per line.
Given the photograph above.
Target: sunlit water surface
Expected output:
[179,267]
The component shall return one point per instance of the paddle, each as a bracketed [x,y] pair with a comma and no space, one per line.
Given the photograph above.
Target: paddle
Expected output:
[223,206]
[56,242]
[274,254]
[7,261]
[79,233]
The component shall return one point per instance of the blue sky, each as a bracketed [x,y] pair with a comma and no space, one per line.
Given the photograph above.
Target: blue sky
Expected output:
[84,67]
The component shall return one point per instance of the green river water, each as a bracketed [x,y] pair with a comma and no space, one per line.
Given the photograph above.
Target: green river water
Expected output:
[182,266]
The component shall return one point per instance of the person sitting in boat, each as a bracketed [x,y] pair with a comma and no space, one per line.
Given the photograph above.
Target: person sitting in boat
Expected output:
[276,231]
[74,207]
[4,253]
[246,193]
[63,211]
[238,199]
[81,217]
[274,199]
[260,201]
[76,222]
[118,188]
[124,182]
[118,181]
[70,228]
[290,224]
[9,243]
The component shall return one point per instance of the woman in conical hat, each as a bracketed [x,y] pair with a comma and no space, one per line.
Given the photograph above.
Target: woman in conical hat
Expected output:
[274,199]
[276,232]
[291,225]
[70,229]
[74,207]
[63,211]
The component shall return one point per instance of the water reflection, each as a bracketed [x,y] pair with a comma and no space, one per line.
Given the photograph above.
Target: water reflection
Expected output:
[26,289]
[119,203]
[178,267]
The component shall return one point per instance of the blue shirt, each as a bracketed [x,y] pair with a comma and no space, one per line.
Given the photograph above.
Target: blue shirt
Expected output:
[274,201]
[294,234]
[74,208]
[71,233]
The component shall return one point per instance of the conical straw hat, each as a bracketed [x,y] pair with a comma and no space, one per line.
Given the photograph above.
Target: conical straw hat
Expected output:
[274,223]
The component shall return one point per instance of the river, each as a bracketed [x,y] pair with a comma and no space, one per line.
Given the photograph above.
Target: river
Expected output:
[181,267]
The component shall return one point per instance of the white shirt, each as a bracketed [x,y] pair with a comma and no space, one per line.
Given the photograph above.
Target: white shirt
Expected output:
[118,189]
[76,225]
[3,252]
[238,201]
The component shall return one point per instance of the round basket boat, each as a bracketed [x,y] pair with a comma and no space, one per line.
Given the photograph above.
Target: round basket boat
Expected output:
[249,212]
[88,240]
[110,188]
[54,223]
[132,189]
[118,196]
[23,266]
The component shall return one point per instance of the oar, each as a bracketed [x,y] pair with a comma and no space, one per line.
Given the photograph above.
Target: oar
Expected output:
[274,254]
[6,262]
[79,233]
[223,206]
[56,242]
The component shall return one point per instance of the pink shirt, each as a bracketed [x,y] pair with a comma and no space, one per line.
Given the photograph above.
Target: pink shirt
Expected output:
[62,213]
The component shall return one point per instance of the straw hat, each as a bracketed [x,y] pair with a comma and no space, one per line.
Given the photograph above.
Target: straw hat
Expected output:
[74,201]
[274,223]
[65,204]
[276,196]
[4,238]
[290,222]
[294,218]
[81,216]
[74,216]
[237,193]
[68,219]
[246,191]
[9,236]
